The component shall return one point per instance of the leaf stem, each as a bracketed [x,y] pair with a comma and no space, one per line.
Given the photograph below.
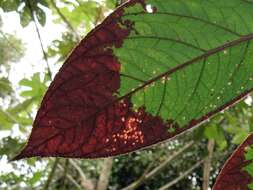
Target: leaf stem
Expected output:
[40,39]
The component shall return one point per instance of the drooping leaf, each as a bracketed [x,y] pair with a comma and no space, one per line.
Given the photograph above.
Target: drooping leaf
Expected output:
[151,70]
[237,173]
[41,16]
[25,16]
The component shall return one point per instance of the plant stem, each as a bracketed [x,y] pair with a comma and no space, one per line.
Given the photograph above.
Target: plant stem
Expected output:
[148,175]
[181,176]
[207,164]
[70,178]
[86,183]
[40,39]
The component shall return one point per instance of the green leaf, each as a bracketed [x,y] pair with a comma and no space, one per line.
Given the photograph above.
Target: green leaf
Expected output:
[41,16]
[36,177]
[6,120]
[83,14]
[36,87]
[25,16]
[9,5]
[22,106]
[215,132]
[44,3]
[62,47]
[110,3]
[185,62]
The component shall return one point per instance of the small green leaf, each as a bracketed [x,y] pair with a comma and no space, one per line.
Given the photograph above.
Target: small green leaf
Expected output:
[25,16]
[216,132]
[41,16]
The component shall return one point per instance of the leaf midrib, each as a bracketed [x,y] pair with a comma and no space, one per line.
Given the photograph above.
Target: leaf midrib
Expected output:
[190,62]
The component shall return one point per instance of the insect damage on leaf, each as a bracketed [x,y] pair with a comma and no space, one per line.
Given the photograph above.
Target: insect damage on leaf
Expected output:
[144,76]
[237,172]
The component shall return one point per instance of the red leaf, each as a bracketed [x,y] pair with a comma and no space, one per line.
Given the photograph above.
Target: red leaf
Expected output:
[233,176]
[80,115]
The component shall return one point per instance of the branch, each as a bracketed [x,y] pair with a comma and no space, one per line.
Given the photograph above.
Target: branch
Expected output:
[148,175]
[50,177]
[70,178]
[66,164]
[65,20]
[207,164]
[86,183]
[182,176]
[40,39]
[105,174]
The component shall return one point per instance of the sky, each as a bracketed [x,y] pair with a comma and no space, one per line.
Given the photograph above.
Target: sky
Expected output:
[32,62]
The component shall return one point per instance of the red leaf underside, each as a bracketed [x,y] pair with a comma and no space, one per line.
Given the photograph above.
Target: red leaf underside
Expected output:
[74,119]
[233,175]
[82,116]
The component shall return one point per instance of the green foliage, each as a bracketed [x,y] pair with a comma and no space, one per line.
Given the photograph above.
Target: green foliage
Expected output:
[35,87]
[110,3]
[11,50]
[188,77]
[6,120]
[249,167]
[240,123]
[26,8]
[5,87]
[215,132]
[62,47]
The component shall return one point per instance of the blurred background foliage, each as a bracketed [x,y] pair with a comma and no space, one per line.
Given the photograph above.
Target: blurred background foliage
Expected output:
[192,161]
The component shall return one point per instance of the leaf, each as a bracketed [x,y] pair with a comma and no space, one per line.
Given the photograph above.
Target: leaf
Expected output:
[25,16]
[6,120]
[62,47]
[9,5]
[21,107]
[237,173]
[150,71]
[110,3]
[35,87]
[216,133]
[41,16]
